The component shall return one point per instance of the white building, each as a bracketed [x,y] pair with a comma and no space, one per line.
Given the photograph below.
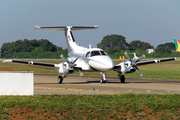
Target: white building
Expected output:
[149,51]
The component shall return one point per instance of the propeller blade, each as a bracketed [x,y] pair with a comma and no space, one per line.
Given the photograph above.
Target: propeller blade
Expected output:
[65,72]
[77,58]
[62,56]
[126,54]
[81,74]
[140,58]
[139,71]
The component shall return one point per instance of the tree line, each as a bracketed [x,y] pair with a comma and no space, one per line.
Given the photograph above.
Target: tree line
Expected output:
[115,45]
[31,49]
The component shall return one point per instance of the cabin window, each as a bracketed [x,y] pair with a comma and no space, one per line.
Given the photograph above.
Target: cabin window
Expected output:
[87,54]
[94,53]
[103,53]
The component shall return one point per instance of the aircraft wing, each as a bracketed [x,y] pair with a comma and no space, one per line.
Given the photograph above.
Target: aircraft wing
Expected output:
[154,61]
[35,64]
[116,67]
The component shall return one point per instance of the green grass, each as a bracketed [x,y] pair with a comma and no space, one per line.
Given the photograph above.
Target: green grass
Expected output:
[92,106]
[165,70]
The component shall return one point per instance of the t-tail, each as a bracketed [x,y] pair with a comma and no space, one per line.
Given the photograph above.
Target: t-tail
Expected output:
[72,46]
[177,45]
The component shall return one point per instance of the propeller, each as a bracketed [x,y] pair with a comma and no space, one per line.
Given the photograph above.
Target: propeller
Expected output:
[133,63]
[80,73]
[138,71]
[126,54]
[140,58]
[71,65]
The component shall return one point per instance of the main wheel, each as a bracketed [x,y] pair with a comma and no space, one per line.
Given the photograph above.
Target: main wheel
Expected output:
[60,79]
[122,78]
[102,81]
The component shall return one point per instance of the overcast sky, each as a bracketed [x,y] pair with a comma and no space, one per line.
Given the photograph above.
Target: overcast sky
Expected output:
[153,21]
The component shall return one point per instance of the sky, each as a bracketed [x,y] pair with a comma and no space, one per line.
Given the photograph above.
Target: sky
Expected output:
[153,21]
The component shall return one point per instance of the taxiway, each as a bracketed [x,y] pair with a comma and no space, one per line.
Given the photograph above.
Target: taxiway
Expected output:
[47,84]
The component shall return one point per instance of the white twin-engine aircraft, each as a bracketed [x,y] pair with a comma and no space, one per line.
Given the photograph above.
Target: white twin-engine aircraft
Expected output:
[83,59]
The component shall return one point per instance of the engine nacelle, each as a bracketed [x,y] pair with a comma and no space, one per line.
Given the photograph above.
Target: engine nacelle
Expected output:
[65,66]
[126,67]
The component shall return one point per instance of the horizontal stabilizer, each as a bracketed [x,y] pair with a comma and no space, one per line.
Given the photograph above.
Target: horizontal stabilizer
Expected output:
[63,28]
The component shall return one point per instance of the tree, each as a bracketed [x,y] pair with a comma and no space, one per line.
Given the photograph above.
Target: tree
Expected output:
[112,43]
[8,50]
[165,48]
[47,46]
[137,44]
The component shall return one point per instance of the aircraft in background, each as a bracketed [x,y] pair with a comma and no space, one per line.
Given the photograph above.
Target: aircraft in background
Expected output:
[136,58]
[81,59]
[177,45]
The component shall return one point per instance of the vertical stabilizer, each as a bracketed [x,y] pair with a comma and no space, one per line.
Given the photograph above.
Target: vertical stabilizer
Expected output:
[70,39]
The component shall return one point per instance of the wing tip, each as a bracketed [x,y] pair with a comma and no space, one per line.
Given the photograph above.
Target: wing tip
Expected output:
[96,26]
[7,61]
[36,27]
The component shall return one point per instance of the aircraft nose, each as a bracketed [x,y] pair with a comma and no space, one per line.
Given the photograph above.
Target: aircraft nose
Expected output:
[101,65]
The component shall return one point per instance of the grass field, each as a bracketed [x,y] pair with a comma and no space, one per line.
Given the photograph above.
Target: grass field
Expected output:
[124,106]
[165,70]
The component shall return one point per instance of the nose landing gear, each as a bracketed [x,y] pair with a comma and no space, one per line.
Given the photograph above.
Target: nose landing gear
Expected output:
[103,80]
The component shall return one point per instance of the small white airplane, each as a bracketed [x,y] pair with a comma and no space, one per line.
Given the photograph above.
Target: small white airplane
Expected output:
[136,58]
[81,59]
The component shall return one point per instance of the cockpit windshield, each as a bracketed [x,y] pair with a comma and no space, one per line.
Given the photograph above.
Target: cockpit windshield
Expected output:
[95,53]
[103,53]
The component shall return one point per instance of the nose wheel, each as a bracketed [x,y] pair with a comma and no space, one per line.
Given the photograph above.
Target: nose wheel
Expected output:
[103,80]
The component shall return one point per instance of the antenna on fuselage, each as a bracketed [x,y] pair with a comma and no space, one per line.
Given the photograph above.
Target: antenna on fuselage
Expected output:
[89,46]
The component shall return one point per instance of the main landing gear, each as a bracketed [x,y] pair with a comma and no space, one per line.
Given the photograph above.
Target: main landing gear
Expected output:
[103,80]
[121,77]
[60,79]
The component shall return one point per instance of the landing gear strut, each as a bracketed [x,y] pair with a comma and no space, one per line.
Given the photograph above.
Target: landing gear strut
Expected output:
[103,80]
[121,77]
[60,79]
